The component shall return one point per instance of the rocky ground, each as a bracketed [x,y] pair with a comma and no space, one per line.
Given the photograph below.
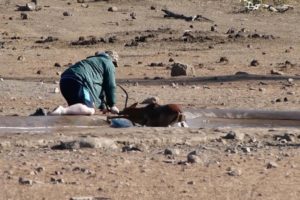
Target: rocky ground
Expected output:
[151,163]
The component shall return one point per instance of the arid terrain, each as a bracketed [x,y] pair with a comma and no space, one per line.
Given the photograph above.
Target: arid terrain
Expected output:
[241,61]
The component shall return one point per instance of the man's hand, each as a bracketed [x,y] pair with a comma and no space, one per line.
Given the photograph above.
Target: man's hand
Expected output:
[114,110]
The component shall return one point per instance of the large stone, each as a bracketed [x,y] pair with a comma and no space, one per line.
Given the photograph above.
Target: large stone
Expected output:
[179,69]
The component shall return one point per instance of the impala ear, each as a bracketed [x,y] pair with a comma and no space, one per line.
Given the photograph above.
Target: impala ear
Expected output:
[133,105]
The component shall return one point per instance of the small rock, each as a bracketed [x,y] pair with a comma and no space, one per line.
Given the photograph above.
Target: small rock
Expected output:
[276,72]
[85,5]
[234,135]
[261,89]
[58,173]
[272,164]
[230,136]
[24,16]
[39,112]
[128,148]
[290,80]
[246,149]
[232,150]
[40,169]
[171,152]
[193,158]
[288,137]
[150,100]
[57,65]
[231,31]
[25,181]
[30,6]
[278,100]
[191,182]
[213,28]
[223,59]
[133,15]
[21,58]
[174,85]
[153,64]
[66,13]
[32,173]
[231,171]
[112,9]
[153,8]
[56,181]
[56,90]
[179,69]
[254,63]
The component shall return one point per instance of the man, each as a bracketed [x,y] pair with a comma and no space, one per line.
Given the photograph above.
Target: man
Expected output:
[85,84]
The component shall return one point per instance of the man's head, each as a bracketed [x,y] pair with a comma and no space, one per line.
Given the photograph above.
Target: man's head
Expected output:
[112,54]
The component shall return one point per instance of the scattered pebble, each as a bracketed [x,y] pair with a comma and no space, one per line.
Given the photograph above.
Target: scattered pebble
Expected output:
[276,72]
[112,9]
[223,59]
[193,158]
[232,171]
[21,58]
[272,164]
[24,16]
[133,15]
[57,65]
[262,89]
[67,13]
[254,63]
[171,152]
[85,5]
[25,181]
[128,148]
[56,90]
[57,180]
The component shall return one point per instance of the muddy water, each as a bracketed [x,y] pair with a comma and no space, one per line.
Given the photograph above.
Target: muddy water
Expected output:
[196,118]
[213,118]
[36,124]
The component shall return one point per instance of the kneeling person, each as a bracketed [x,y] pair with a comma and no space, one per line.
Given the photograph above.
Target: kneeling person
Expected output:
[85,84]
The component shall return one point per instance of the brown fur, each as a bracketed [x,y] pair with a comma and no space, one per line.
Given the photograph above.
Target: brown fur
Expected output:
[154,114]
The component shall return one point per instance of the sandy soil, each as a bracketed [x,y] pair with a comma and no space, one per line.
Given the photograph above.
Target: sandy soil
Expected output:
[152,163]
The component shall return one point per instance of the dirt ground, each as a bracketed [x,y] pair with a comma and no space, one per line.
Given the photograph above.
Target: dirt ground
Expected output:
[152,163]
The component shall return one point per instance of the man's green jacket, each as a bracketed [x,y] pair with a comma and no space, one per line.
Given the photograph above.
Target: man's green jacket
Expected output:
[97,74]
